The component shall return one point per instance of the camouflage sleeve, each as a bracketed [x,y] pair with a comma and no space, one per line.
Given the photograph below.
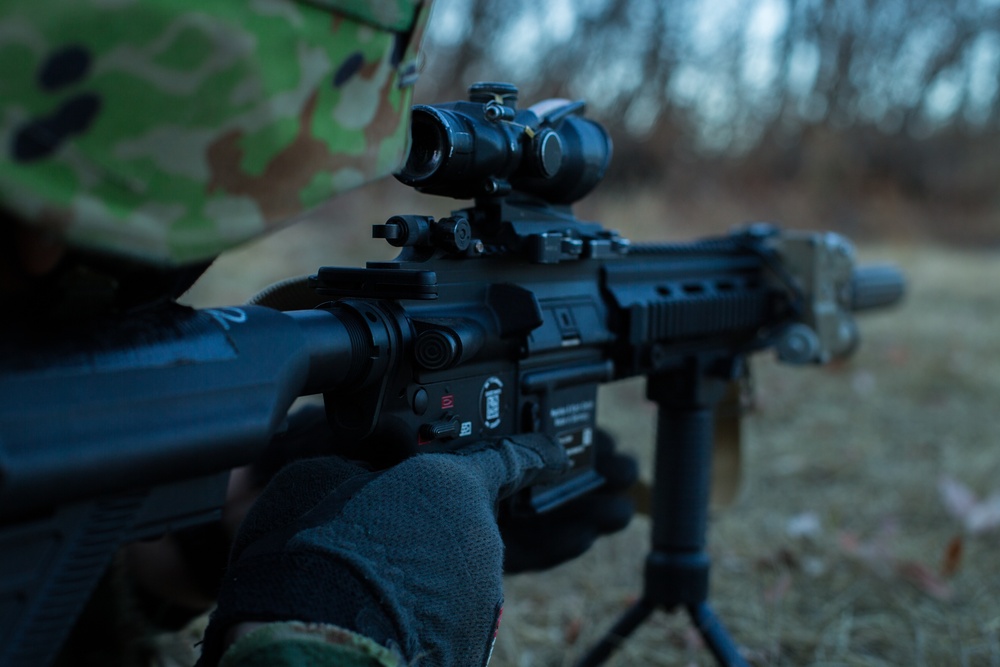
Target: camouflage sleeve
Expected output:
[295,644]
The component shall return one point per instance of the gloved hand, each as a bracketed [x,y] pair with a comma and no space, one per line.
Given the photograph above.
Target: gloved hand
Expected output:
[540,541]
[531,542]
[410,557]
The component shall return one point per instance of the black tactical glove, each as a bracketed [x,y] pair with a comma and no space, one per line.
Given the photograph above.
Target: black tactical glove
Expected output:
[410,557]
[540,541]
[531,542]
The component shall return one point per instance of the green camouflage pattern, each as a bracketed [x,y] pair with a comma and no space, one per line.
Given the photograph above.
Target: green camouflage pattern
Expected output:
[171,130]
[313,644]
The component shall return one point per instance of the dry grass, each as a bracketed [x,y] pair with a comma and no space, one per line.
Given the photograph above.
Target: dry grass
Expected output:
[839,550]
[833,553]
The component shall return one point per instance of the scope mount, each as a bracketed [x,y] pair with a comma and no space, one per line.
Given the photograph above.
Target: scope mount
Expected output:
[523,169]
[541,232]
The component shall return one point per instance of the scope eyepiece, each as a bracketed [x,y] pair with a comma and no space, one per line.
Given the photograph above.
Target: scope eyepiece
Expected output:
[485,147]
[427,147]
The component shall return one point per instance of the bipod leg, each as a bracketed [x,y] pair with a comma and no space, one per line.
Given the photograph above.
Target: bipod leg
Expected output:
[677,567]
[625,625]
[716,636]
[708,624]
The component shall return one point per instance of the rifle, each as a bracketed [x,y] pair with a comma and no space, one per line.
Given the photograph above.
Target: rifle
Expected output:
[502,318]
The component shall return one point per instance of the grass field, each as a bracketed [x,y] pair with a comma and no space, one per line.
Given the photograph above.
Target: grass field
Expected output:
[841,548]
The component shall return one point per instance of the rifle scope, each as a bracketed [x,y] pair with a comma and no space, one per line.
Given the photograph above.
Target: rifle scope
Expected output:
[487,148]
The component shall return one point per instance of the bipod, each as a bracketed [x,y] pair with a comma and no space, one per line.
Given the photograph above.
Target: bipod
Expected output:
[677,567]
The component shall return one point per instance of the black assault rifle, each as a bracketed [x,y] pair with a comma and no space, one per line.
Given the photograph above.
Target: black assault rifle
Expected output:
[502,318]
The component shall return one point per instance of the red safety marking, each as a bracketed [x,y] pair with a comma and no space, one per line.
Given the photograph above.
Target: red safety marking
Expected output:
[447,402]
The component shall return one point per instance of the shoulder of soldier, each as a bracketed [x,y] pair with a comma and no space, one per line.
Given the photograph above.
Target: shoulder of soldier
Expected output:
[296,644]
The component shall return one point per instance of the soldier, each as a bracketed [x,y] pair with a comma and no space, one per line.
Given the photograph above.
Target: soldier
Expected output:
[143,138]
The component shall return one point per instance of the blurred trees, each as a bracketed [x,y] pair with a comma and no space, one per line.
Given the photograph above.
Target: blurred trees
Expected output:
[835,93]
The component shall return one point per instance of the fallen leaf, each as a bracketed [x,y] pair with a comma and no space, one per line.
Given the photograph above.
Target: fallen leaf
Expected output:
[849,543]
[977,516]
[924,579]
[952,557]
[898,355]
[571,633]
[693,639]
[779,590]
[877,554]
[876,551]
[957,497]
[782,559]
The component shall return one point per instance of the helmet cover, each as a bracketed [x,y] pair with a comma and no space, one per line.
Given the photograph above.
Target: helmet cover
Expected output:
[170,130]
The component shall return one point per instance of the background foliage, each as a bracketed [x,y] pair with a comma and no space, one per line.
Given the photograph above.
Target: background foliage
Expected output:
[842,102]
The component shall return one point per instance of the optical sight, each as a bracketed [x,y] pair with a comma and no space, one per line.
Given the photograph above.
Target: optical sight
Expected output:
[487,148]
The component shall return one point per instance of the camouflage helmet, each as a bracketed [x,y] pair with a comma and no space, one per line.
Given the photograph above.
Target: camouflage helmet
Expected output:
[170,130]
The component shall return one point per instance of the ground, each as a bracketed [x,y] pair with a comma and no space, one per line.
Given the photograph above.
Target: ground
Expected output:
[841,549]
